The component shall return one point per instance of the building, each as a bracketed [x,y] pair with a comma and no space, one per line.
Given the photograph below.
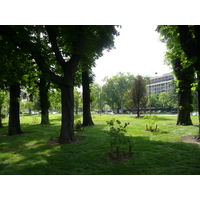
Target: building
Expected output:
[160,84]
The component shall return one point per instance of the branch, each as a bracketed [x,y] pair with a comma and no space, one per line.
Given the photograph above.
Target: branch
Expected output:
[52,39]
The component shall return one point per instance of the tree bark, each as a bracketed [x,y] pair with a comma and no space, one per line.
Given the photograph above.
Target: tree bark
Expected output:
[185,77]
[67,126]
[138,111]
[87,118]
[44,101]
[14,118]
[1,125]
[198,100]
[184,109]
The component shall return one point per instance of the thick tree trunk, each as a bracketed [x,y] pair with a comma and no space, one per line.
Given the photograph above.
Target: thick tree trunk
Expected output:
[44,101]
[185,78]
[67,127]
[184,109]
[14,118]
[87,118]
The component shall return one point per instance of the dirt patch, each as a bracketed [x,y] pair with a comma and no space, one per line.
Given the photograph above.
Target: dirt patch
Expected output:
[3,135]
[190,139]
[120,157]
[54,141]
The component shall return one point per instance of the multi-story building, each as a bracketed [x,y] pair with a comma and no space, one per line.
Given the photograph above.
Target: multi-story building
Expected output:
[160,84]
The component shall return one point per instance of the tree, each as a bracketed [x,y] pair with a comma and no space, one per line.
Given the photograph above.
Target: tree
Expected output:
[164,98]
[173,95]
[109,93]
[68,47]
[116,87]
[14,72]
[97,94]
[183,70]
[138,93]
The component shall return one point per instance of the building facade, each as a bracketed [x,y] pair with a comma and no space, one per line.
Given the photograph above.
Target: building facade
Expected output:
[160,84]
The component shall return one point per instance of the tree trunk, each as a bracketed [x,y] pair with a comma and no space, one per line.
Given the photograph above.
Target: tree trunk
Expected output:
[1,125]
[138,111]
[184,109]
[184,106]
[44,101]
[198,100]
[185,78]
[67,126]
[87,118]
[14,118]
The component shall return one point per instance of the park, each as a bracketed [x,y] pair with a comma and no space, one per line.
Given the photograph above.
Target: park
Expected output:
[153,153]
[56,120]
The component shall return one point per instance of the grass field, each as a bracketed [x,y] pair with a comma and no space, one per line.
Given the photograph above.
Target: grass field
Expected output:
[154,153]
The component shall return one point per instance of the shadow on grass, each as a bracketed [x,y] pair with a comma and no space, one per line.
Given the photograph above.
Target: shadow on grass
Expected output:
[30,154]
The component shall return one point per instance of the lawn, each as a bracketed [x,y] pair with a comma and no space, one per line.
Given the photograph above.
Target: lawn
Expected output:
[154,153]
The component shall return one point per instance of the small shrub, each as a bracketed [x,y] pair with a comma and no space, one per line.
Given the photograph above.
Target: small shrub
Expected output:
[78,125]
[150,122]
[117,135]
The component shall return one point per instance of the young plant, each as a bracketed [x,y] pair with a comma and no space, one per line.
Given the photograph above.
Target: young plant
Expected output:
[78,125]
[150,122]
[117,135]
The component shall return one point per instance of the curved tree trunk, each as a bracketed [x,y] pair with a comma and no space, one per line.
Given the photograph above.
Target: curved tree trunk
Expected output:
[14,118]
[87,118]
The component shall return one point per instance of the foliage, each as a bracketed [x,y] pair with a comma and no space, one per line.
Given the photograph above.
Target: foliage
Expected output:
[78,125]
[151,121]
[182,43]
[164,98]
[116,88]
[98,99]
[117,134]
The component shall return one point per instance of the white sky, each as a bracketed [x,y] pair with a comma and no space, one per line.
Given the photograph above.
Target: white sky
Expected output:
[138,51]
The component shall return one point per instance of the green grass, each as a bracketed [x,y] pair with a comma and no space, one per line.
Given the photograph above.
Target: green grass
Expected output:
[153,153]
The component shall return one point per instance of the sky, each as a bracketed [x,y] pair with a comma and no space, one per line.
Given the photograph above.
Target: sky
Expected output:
[138,50]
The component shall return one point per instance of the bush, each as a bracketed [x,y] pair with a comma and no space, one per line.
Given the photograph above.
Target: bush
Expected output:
[150,122]
[117,135]
[78,125]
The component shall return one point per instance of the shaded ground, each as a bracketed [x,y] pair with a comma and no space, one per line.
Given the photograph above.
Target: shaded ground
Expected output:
[190,139]
[54,141]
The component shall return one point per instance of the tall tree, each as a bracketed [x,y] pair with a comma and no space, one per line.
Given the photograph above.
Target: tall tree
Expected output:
[116,87]
[183,70]
[14,71]
[138,93]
